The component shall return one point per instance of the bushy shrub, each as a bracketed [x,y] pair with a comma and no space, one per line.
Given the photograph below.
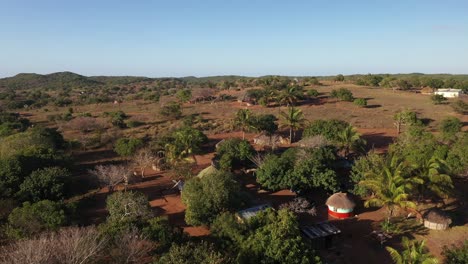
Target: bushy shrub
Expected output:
[313,93]
[342,94]
[127,146]
[45,184]
[360,102]
[438,99]
[330,129]
[31,219]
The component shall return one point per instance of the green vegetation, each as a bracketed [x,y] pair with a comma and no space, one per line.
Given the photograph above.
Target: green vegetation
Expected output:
[126,147]
[208,196]
[233,152]
[438,99]
[362,102]
[456,254]
[342,94]
[303,169]
[414,252]
[31,219]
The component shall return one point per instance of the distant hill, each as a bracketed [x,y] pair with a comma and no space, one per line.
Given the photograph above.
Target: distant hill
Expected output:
[56,80]
[61,80]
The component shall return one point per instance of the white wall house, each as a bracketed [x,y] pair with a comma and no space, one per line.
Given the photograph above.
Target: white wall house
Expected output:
[449,93]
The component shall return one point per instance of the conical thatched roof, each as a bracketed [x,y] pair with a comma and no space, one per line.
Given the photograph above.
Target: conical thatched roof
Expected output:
[435,215]
[207,171]
[341,200]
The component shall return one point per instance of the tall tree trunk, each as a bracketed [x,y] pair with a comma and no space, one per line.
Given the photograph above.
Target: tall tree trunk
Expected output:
[290,135]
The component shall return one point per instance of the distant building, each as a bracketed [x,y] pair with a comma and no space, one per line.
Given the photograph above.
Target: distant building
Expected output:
[449,93]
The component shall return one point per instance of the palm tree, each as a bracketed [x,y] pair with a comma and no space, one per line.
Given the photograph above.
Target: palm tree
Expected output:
[294,119]
[431,172]
[389,186]
[350,139]
[290,95]
[414,252]
[243,120]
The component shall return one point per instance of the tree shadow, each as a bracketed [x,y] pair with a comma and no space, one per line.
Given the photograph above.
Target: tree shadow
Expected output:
[377,140]
[426,121]
[373,106]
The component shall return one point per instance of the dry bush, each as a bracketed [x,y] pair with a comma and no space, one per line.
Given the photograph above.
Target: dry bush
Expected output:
[300,205]
[132,247]
[85,124]
[143,159]
[72,245]
[111,175]
[314,142]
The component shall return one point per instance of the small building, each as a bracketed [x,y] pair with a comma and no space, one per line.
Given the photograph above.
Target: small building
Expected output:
[320,234]
[248,213]
[340,205]
[436,219]
[449,93]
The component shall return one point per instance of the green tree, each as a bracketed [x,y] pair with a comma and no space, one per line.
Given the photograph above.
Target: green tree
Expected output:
[31,219]
[232,152]
[293,119]
[171,110]
[243,121]
[185,142]
[438,99]
[45,184]
[365,165]
[206,197]
[404,117]
[434,179]
[290,95]
[265,123]
[350,139]
[339,78]
[302,169]
[159,229]
[389,186]
[414,252]
[450,126]
[457,156]
[126,147]
[184,95]
[275,238]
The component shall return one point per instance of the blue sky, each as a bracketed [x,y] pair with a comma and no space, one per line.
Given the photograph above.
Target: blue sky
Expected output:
[201,38]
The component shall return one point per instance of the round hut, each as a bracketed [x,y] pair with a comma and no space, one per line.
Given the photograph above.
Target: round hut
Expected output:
[436,219]
[340,205]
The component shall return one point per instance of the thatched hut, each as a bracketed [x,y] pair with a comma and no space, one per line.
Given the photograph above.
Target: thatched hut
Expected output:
[340,205]
[436,219]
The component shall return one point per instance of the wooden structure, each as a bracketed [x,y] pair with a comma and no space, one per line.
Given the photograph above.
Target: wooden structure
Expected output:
[436,219]
[340,205]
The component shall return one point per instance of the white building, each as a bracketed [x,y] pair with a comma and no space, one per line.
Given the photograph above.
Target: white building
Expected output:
[449,93]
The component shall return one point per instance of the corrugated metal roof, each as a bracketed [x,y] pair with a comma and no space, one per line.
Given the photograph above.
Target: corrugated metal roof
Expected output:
[250,212]
[320,230]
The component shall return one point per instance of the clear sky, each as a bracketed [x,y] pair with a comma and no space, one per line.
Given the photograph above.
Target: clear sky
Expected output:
[244,37]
